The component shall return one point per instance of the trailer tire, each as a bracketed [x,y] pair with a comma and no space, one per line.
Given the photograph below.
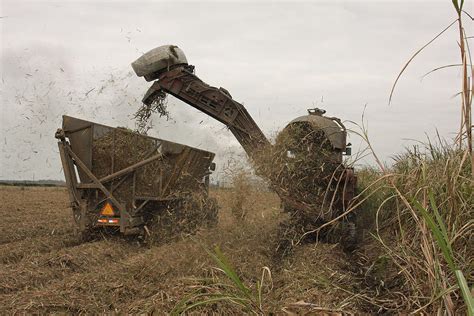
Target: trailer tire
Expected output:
[211,213]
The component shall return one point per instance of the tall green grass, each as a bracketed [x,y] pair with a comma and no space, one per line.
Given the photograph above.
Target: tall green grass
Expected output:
[438,230]
[424,211]
[227,288]
[433,203]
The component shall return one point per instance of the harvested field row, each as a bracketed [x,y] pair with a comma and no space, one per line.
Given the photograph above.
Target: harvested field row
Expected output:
[33,212]
[45,274]
[24,249]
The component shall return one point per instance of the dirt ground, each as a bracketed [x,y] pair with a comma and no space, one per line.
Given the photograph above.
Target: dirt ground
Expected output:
[46,268]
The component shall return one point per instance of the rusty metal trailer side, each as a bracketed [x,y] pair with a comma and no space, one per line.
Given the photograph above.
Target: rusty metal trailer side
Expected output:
[129,171]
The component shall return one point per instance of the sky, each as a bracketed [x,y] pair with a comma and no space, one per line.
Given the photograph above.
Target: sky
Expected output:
[276,58]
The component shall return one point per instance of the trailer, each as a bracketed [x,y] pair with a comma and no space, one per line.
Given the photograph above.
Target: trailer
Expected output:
[122,180]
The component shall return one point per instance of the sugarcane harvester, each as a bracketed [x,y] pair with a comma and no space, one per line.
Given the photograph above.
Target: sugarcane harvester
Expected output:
[305,164]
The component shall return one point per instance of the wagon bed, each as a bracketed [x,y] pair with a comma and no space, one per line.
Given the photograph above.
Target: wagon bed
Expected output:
[117,177]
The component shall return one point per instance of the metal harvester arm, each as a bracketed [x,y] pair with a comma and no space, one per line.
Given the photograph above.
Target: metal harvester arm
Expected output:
[168,67]
[182,83]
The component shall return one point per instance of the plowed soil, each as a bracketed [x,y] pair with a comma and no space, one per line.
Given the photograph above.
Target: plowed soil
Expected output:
[46,268]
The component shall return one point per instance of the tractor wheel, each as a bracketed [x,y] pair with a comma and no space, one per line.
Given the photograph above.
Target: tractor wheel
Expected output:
[350,239]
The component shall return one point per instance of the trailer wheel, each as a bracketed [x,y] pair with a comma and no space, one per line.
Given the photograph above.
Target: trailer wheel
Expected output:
[350,237]
[211,212]
[76,214]
[85,234]
[79,213]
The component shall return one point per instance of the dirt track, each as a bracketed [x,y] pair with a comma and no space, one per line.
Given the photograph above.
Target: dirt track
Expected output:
[45,267]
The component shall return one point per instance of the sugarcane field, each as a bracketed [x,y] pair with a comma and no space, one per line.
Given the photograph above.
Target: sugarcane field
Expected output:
[236,158]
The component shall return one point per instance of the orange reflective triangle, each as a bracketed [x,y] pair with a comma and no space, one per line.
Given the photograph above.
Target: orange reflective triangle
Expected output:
[107,210]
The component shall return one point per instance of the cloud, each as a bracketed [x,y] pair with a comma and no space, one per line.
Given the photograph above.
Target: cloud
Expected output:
[278,59]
